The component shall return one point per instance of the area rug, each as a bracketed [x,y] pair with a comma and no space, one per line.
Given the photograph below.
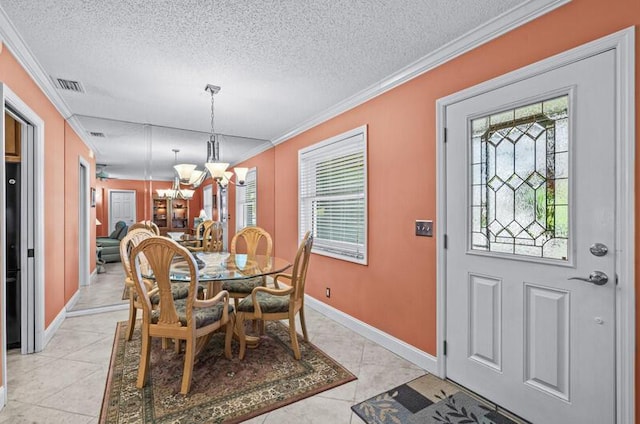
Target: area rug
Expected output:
[428,400]
[222,390]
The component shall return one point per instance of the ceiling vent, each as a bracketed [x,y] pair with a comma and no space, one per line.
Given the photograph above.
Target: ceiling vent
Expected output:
[96,134]
[68,85]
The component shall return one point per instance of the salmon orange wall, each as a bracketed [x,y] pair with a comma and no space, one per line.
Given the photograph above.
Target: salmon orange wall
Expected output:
[57,198]
[144,193]
[264,164]
[396,292]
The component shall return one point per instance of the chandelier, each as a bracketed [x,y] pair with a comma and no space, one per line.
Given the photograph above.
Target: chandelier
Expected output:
[175,192]
[188,174]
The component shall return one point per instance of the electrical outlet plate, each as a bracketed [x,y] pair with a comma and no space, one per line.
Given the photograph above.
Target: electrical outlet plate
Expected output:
[424,228]
[328,292]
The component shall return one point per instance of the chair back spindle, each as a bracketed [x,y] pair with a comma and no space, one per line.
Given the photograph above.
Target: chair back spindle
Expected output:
[252,237]
[300,266]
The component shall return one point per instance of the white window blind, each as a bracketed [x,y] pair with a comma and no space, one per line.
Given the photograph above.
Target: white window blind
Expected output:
[333,195]
[207,201]
[246,201]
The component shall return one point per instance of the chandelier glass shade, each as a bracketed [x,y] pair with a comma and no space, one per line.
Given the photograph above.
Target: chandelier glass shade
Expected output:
[176,192]
[185,170]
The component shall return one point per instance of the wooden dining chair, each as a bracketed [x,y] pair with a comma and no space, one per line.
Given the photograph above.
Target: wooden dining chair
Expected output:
[252,238]
[147,225]
[272,304]
[196,245]
[132,239]
[189,319]
[212,238]
[211,232]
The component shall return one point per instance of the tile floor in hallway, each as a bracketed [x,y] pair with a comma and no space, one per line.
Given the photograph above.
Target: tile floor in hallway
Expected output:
[105,289]
[65,382]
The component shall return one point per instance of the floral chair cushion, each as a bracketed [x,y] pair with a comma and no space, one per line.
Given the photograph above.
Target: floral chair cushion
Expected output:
[180,290]
[242,286]
[268,303]
[203,316]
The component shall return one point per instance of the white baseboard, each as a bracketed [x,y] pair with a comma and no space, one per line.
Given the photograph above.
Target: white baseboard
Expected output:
[72,302]
[50,331]
[395,345]
[3,398]
[98,310]
[93,276]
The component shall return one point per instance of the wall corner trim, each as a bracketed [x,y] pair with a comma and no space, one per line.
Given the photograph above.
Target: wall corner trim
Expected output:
[501,24]
[395,345]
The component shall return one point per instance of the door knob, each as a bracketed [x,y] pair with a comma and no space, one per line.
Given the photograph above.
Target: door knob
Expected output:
[598,278]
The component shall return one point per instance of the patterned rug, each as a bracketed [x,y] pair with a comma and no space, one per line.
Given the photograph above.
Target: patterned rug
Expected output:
[430,400]
[222,390]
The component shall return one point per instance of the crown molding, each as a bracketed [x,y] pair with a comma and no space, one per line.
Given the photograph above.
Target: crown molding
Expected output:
[25,57]
[254,152]
[496,27]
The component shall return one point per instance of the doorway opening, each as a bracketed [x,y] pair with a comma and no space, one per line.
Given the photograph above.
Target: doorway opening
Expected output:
[13,181]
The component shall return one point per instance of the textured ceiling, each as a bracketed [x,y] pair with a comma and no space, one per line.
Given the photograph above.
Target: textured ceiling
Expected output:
[278,62]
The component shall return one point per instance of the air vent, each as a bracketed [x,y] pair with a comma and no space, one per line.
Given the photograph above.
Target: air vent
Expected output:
[96,134]
[68,85]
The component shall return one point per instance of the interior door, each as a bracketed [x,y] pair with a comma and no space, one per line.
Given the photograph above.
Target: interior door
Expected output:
[122,207]
[530,262]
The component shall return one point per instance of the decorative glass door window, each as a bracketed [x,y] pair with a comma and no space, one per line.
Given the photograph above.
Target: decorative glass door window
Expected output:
[520,180]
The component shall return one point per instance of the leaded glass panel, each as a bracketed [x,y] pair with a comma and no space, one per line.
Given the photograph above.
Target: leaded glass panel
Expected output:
[520,180]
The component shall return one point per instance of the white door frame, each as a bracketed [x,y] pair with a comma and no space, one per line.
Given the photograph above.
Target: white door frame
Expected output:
[623,44]
[35,289]
[84,233]
[135,211]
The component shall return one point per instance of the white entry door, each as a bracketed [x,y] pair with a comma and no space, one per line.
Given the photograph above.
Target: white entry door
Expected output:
[122,207]
[530,201]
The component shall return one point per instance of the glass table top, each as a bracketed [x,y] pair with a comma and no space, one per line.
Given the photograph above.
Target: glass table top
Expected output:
[214,266]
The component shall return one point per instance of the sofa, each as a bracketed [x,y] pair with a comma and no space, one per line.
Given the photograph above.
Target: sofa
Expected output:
[110,251]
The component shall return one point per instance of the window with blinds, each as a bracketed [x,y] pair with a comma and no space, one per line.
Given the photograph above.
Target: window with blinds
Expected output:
[246,201]
[207,201]
[333,195]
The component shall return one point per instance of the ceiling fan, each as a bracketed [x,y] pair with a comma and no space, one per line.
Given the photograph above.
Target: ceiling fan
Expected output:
[101,174]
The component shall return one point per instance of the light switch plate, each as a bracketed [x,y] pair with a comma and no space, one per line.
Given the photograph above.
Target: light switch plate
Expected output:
[424,228]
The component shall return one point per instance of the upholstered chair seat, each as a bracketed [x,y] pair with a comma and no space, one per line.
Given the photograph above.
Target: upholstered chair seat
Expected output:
[242,286]
[179,290]
[269,303]
[203,316]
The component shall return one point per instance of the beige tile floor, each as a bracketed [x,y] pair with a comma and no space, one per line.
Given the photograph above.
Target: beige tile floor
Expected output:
[106,289]
[65,382]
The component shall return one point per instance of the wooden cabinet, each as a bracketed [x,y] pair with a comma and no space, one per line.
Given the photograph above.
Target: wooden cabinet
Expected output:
[171,214]
[160,213]
[11,139]
[180,214]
